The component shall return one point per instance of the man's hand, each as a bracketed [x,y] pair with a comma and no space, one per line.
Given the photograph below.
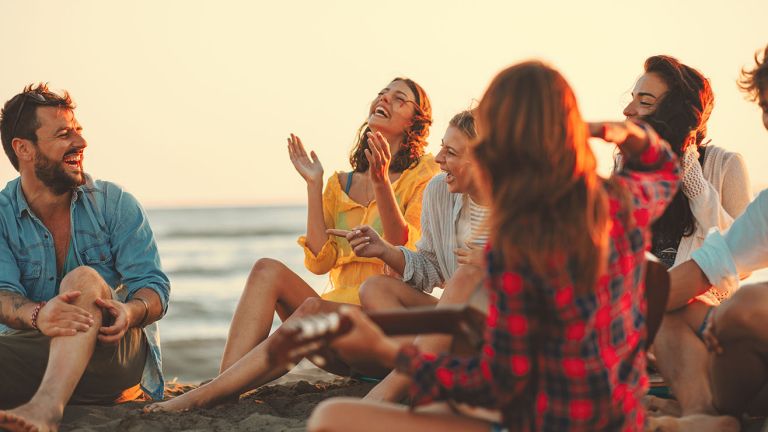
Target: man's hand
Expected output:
[709,334]
[61,318]
[111,335]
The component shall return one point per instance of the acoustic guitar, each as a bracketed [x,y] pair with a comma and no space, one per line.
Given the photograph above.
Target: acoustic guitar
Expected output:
[296,339]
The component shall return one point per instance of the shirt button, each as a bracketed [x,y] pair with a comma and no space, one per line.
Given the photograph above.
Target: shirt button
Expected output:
[50,278]
[46,236]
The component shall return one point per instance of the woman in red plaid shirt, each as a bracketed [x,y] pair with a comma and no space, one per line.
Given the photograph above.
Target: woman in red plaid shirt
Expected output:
[565,340]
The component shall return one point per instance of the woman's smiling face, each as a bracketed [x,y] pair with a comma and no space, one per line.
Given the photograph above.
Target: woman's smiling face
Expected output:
[648,92]
[455,160]
[392,111]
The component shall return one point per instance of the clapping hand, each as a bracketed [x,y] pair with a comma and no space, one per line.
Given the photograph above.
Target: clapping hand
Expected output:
[308,166]
[379,157]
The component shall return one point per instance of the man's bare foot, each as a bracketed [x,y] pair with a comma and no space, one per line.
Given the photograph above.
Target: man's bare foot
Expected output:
[658,407]
[28,418]
[694,423]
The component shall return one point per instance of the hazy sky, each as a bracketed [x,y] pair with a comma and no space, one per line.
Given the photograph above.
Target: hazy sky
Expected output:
[189,102]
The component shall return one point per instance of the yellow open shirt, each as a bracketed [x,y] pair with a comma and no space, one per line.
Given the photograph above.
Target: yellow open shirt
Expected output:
[348,270]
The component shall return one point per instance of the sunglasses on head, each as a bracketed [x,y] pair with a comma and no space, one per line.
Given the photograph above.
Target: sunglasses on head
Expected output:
[35,98]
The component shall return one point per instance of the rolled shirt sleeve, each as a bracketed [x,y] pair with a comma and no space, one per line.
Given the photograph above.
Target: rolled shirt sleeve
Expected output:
[741,249]
[10,276]
[134,248]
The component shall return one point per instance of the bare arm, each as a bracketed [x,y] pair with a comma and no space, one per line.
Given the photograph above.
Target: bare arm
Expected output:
[392,220]
[686,281]
[311,170]
[136,308]
[16,310]
[630,137]
[316,236]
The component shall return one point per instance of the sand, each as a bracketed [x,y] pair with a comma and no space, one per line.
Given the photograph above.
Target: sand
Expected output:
[283,405]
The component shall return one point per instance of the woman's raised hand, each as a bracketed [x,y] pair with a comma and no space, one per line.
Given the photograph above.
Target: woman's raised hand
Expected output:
[308,166]
[379,157]
[631,136]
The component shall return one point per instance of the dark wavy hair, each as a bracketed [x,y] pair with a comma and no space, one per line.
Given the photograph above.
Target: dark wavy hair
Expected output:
[26,121]
[680,118]
[414,139]
[755,81]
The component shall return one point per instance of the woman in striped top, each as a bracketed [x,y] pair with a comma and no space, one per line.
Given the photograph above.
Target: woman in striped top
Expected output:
[448,255]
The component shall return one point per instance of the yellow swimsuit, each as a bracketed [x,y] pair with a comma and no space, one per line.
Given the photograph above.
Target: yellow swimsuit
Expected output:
[348,270]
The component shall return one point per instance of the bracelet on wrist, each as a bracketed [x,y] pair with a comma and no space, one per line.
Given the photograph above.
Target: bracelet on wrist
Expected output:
[146,311]
[35,314]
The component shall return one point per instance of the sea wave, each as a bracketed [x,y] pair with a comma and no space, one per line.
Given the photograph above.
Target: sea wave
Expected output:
[229,233]
[214,272]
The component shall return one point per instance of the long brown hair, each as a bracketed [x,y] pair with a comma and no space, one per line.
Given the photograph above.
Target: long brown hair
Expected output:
[548,202]
[414,138]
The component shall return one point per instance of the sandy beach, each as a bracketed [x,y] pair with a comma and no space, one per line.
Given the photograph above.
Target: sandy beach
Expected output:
[283,405]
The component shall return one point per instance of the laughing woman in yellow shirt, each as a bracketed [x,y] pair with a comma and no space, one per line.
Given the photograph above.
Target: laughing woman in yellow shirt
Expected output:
[383,190]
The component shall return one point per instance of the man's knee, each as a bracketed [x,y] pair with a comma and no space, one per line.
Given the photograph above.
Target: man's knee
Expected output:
[86,280]
[747,310]
[373,290]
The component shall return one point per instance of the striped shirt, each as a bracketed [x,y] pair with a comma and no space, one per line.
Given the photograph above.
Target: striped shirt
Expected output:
[434,262]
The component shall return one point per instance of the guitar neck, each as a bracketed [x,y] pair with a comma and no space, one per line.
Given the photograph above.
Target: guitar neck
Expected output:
[421,320]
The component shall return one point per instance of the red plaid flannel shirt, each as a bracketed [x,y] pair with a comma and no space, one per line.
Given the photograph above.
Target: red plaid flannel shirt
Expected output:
[586,371]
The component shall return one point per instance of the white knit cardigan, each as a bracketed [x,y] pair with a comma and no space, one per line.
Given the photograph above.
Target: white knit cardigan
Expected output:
[727,194]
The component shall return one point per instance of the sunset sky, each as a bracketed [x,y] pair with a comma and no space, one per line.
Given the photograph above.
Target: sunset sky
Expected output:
[189,102]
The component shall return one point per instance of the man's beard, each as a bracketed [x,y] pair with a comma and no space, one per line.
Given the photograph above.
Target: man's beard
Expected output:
[54,177]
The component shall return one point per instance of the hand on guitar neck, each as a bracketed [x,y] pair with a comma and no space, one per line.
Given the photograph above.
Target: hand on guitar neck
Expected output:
[356,335]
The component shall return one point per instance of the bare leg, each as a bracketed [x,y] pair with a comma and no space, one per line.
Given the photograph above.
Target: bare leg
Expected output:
[388,293]
[693,423]
[67,360]
[346,414]
[251,371]
[683,360]
[457,291]
[271,287]
[740,374]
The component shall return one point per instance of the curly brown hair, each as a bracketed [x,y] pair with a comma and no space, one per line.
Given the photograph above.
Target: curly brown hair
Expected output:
[755,81]
[414,138]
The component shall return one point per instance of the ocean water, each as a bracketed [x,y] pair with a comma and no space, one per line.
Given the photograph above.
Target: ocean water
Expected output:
[207,254]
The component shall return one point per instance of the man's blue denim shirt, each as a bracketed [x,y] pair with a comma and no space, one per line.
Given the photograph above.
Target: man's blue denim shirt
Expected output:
[110,233]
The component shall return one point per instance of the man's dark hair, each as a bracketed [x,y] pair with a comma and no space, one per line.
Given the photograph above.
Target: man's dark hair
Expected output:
[25,121]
